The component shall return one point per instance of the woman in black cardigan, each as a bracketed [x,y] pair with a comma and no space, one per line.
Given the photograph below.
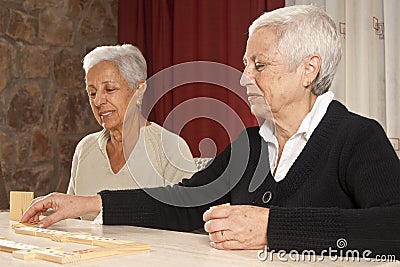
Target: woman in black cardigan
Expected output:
[312,175]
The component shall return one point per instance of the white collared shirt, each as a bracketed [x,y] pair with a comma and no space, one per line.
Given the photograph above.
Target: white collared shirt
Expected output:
[297,142]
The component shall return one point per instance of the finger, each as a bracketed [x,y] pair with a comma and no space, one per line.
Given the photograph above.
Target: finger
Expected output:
[216,225]
[227,245]
[35,218]
[30,215]
[221,236]
[36,209]
[233,244]
[51,219]
[217,213]
[36,199]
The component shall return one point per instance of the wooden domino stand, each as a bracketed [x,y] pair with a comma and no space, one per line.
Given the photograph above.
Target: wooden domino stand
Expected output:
[103,246]
[19,202]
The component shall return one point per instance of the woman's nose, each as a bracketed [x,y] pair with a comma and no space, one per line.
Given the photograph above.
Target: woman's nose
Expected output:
[99,99]
[245,80]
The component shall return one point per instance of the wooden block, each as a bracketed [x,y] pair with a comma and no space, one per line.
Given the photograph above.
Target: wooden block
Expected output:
[38,232]
[102,246]
[19,202]
[10,246]
[61,256]
[48,254]
[62,236]
[30,252]
[100,252]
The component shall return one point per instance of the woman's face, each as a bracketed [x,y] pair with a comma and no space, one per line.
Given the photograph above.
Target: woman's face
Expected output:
[271,87]
[109,94]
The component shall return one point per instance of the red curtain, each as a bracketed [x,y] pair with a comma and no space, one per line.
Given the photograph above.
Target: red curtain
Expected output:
[169,32]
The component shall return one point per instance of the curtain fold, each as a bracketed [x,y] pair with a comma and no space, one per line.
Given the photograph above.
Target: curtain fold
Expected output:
[367,80]
[391,10]
[170,32]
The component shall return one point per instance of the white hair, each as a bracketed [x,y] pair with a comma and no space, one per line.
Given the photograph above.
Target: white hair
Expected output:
[128,59]
[302,31]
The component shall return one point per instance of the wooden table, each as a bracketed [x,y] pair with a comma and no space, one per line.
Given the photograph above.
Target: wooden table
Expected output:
[168,248]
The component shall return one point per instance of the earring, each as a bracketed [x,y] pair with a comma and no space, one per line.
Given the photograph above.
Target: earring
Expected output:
[139,105]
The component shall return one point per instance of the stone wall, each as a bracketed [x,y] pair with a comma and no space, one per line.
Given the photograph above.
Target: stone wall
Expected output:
[44,110]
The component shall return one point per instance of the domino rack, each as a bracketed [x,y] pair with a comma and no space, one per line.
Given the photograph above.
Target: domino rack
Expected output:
[102,246]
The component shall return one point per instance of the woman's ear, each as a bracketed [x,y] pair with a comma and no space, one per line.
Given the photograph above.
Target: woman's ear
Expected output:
[141,88]
[312,65]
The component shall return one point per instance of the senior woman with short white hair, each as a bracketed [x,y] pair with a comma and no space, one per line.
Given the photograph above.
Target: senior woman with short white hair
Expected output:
[312,175]
[130,152]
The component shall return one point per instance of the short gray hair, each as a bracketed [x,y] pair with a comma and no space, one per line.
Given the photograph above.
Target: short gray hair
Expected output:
[126,57]
[302,31]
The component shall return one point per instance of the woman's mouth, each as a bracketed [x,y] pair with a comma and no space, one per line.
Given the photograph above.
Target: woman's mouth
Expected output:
[105,114]
[251,97]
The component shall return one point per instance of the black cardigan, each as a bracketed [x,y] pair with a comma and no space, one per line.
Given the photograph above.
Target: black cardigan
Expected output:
[344,184]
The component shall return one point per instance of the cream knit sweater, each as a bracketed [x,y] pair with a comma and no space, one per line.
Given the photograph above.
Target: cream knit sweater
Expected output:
[159,158]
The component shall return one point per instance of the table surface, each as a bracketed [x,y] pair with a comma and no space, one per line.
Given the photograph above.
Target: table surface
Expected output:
[167,248]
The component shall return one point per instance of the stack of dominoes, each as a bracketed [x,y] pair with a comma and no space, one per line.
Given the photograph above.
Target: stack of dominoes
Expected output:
[105,246]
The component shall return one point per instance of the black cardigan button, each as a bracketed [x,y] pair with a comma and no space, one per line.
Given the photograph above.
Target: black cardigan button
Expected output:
[266,198]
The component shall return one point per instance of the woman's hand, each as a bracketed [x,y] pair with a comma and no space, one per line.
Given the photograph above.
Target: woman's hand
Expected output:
[63,206]
[237,227]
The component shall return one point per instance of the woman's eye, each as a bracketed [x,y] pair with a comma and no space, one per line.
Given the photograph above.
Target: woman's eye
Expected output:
[91,94]
[259,66]
[110,90]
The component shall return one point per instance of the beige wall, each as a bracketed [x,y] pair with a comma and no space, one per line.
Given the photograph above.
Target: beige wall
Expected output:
[44,110]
